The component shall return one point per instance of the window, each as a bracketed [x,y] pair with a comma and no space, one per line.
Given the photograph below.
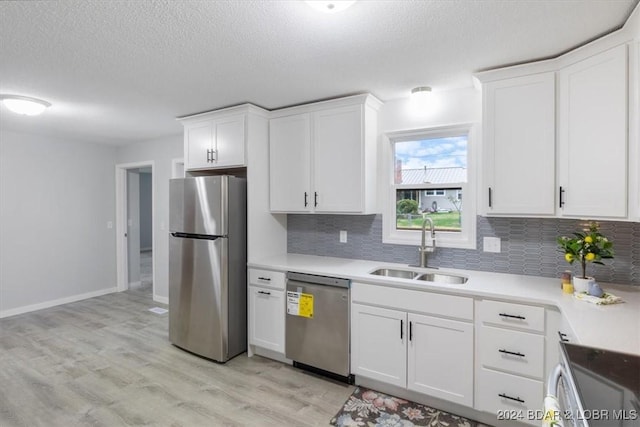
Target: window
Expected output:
[429,171]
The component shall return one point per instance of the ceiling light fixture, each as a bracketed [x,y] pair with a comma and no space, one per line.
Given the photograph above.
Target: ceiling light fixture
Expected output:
[330,6]
[420,99]
[24,104]
[421,92]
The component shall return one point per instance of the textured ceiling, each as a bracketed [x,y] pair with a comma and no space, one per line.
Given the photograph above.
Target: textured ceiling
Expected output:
[121,71]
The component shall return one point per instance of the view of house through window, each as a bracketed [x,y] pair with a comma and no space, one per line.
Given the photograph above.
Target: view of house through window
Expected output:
[429,177]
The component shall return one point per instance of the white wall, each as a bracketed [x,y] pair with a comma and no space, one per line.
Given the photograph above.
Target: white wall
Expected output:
[56,199]
[449,108]
[161,151]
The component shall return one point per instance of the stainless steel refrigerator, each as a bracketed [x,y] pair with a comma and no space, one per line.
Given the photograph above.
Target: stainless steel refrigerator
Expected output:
[207,266]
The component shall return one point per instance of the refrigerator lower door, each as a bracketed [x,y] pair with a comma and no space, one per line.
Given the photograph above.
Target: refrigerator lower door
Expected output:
[198,296]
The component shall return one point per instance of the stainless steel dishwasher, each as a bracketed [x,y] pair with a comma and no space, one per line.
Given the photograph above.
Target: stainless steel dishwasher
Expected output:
[317,324]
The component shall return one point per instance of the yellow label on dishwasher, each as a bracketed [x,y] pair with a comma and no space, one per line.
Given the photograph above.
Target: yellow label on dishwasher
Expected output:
[306,305]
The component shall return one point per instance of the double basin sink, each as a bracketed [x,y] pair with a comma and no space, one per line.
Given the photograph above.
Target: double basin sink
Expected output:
[436,277]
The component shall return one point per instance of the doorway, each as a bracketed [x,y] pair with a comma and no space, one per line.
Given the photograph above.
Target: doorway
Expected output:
[135,254]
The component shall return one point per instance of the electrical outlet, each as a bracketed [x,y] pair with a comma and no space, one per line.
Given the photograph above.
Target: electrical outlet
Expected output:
[491,244]
[343,236]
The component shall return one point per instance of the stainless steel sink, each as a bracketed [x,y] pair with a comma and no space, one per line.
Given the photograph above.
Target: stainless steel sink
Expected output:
[443,278]
[391,272]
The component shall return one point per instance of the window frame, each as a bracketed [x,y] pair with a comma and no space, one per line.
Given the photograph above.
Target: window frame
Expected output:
[466,238]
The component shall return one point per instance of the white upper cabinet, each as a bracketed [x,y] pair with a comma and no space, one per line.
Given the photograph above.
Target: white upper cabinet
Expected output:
[215,140]
[322,157]
[519,138]
[289,163]
[560,136]
[593,136]
[338,160]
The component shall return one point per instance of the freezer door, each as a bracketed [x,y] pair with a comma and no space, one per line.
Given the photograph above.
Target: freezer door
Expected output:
[198,296]
[199,205]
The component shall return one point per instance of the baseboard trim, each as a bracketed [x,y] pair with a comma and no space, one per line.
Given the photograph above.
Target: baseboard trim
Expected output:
[162,300]
[55,302]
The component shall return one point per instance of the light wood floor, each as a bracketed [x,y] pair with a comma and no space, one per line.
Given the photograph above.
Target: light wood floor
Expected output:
[107,361]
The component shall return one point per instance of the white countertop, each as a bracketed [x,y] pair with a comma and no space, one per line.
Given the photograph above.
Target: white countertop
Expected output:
[613,327]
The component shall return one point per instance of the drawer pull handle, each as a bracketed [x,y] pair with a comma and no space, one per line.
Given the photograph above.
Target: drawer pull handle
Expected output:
[563,337]
[266,279]
[517,399]
[513,353]
[401,328]
[511,316]
[264,292]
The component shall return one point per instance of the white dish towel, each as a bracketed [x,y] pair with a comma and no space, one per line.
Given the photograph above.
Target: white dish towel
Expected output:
[606,298]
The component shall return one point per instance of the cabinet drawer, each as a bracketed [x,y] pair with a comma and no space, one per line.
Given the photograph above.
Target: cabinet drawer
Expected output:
[519,316]
[413,301]
[273,279]
[505,394]
[512,351]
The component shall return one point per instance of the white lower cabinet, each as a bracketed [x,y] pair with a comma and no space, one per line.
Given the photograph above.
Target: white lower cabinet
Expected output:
[266,312]
[378,344]
[510,368]
[440,358]
[419,352]
[509,397]
[266,328]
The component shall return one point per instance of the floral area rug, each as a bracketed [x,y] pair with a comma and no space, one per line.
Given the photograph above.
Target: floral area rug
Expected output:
[368,408]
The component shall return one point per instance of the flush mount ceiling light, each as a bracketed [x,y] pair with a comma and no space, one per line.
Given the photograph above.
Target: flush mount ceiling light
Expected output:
[330,6]
[24,104]
[420,98]
[421,92]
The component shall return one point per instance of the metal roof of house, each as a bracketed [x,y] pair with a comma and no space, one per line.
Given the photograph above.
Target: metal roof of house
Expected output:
[434,175]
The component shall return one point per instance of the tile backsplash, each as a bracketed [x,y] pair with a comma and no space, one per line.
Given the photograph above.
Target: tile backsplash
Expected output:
[528,245]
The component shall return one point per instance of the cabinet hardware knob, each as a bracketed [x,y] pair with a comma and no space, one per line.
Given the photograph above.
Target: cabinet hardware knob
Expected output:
[517,399]
[513,353]
[511,316]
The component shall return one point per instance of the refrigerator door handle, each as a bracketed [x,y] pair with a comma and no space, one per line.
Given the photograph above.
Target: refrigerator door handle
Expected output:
[195,236]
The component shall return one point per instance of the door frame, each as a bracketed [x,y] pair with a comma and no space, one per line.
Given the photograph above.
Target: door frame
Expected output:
[122,267]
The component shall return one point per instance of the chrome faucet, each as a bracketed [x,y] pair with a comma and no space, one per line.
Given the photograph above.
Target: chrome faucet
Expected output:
[424,249]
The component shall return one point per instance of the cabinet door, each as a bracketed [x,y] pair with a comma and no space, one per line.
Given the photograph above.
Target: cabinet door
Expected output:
[440,358]
[266,318]
[378,344]
[198,140]
[593,136]
[520,145]
[289,163]
[338,160]
[229,148]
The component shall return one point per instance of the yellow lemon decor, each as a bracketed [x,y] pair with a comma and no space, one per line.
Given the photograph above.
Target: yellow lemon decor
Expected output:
[586,246]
